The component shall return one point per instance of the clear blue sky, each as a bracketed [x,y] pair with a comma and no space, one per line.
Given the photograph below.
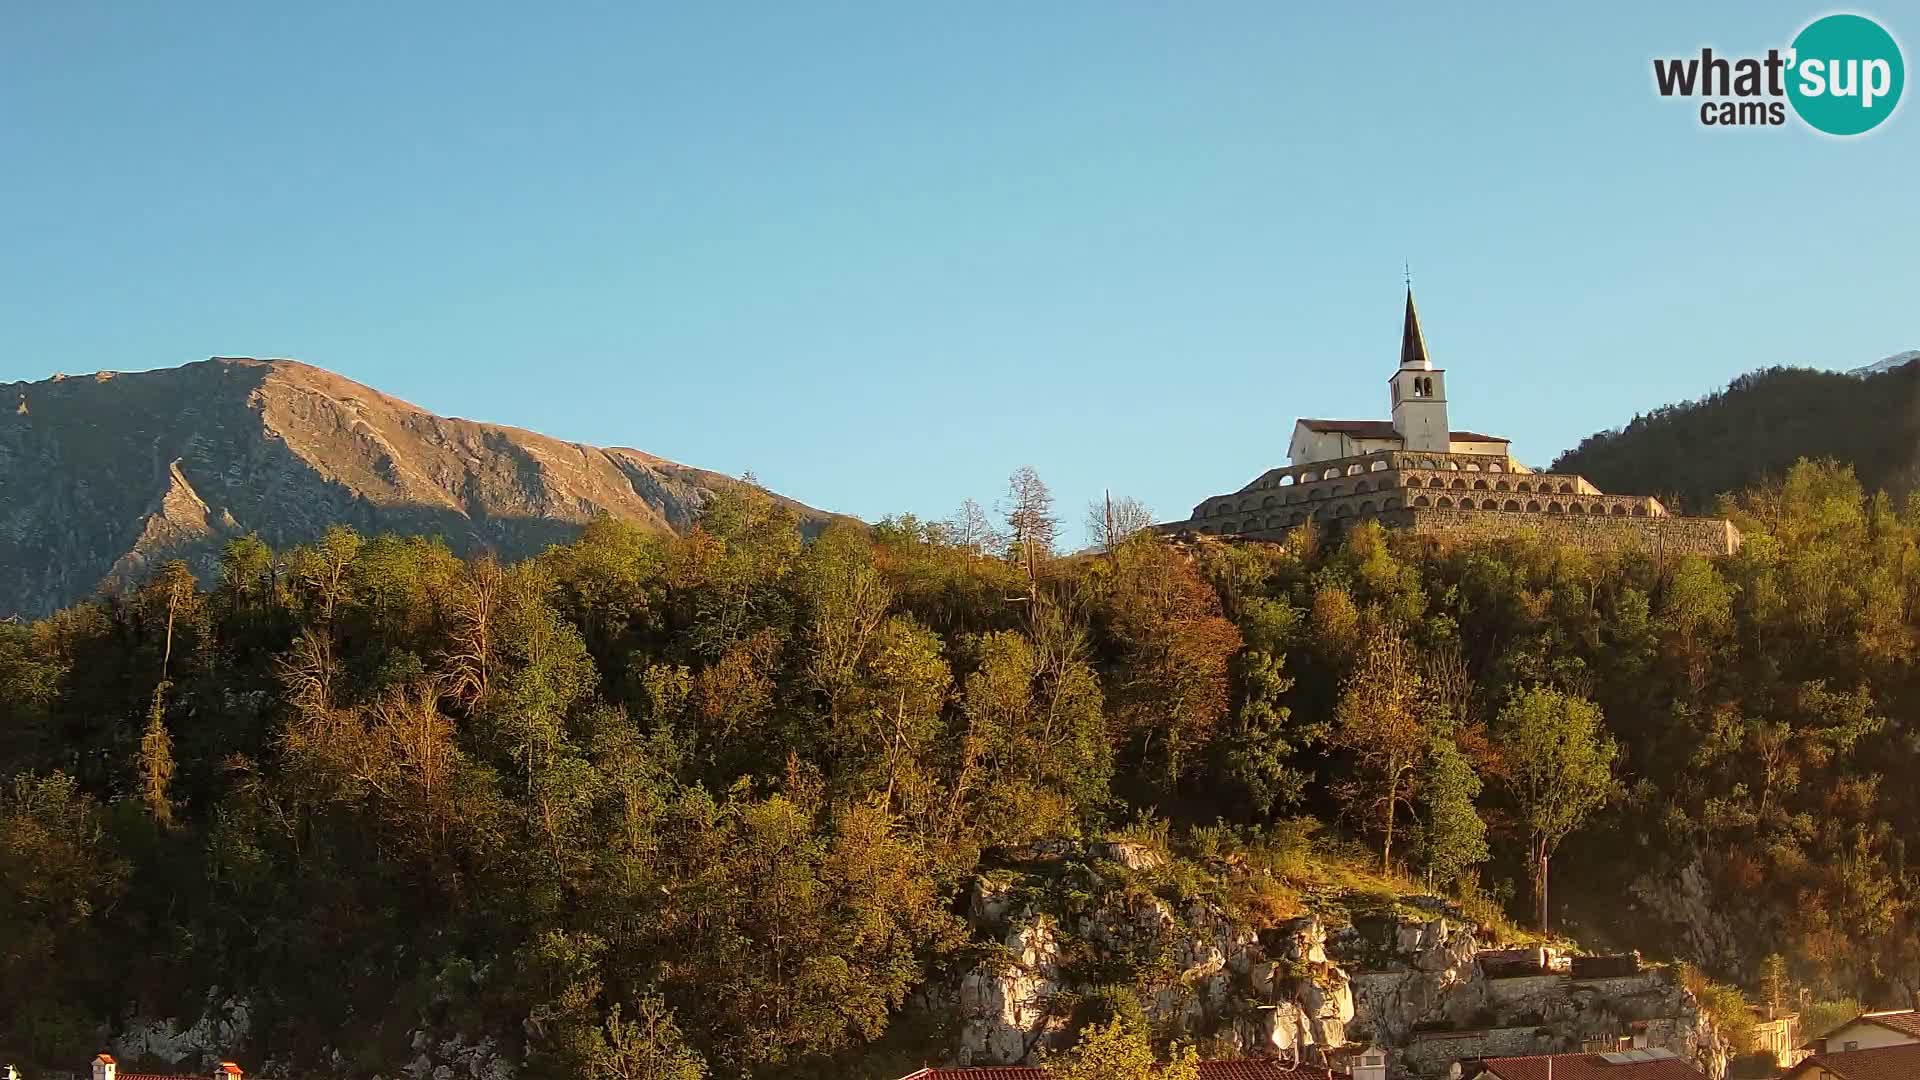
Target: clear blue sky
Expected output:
[883,253]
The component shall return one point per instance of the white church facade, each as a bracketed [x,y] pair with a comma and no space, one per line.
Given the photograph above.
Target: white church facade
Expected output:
[1414,471]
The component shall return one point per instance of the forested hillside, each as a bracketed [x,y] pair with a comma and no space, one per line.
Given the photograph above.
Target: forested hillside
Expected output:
[659,805]
[1696,451]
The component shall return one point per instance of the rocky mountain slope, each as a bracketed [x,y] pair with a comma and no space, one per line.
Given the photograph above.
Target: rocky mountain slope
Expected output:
[1897,360]
[104,476]
[1411,975]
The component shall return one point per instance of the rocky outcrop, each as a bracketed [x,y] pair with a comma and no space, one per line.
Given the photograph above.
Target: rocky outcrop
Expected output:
[216,1035]
[102,478]
[1005,1005]
[457,1057]
[1413,973]
[1423,991]
[1064,920]
[1684,901]
[1202,974]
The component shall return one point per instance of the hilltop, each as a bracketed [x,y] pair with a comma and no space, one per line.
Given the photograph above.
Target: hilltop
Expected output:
[1691,453]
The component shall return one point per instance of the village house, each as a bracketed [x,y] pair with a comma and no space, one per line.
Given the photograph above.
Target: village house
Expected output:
[1872,1046]
[105,1068]
[1619,1065]
[1879,1063]
[1868,1031]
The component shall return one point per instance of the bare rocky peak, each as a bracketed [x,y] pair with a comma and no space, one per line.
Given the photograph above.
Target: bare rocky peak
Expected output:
[1891,363]
[104,476]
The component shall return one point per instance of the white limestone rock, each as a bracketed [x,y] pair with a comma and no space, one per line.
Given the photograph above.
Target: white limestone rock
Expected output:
[221,1028]
[1004,1005]
[1130,855]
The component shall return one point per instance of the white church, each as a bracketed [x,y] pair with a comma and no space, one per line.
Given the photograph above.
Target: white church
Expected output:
[1415,472]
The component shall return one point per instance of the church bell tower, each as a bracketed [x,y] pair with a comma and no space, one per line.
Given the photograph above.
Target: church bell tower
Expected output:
[1419,391]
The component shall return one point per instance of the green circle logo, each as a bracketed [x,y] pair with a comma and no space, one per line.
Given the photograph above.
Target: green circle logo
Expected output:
[1846,74]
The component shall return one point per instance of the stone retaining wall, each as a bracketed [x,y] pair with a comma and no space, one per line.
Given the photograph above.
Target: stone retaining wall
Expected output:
[1431,1053]
[1658,535]
[1525,988]
[1453,497]
[1655,981]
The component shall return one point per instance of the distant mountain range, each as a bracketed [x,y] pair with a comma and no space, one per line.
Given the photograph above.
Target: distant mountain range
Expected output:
[104,476]
[1693,452]
[1891,362]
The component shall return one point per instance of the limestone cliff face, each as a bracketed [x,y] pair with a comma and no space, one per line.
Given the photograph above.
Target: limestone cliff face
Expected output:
[1422,990]
[104,476]
[1682,901]
[1245,992]
[1069,921]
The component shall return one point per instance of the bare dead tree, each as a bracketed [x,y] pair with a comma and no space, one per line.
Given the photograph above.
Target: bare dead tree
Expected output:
[467,668]
[1113,520]
[971,528]
[1031,526]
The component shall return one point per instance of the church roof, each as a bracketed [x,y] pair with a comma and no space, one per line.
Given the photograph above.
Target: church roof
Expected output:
[1413,344]
[1383,429]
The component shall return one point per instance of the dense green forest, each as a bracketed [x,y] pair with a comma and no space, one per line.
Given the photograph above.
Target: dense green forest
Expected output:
[1692,453]
[703,805]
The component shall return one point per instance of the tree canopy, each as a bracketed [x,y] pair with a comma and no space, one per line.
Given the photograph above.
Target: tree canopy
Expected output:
[707,804]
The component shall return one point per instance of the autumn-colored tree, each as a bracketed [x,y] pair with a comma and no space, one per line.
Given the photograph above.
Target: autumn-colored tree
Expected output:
[156,759]
[1121,1051]
[1174,647]
[170,599]
[1385,722]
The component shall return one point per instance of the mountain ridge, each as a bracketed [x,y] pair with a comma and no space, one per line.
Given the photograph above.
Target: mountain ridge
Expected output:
[1692,452]
[1897,360]
[109,474]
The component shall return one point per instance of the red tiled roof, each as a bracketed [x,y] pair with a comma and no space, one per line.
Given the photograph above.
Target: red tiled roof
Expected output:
[1258,1070]
[1383,429]
[1588,1067]
[227,1068]
[1904,1021]
[988,1072]
[1209,1070]
[1880,1063]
